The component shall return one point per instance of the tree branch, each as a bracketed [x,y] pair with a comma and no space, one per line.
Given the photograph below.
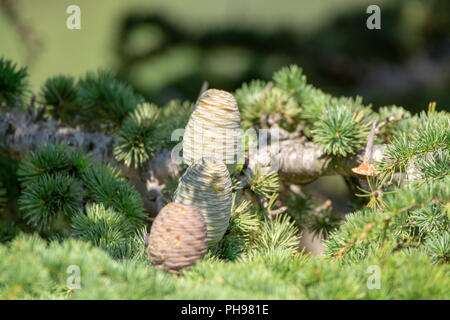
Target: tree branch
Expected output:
[20,133]
[300,161]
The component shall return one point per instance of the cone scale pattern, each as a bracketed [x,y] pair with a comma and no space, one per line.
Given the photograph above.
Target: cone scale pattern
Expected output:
[213,129]
[177,238]
[207,185]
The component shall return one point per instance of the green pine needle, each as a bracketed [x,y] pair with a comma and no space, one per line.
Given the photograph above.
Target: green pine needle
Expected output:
[48,198]
[59,94]
[425,146]
[340,131]
[323,223]
[136,137]
[243,228]
[53,158]
[248,98]
[266,184]
[411,216]
[438,247]
[105,99]
[292,80]
[13,82]
[104,186]
[103,227]
[280,233]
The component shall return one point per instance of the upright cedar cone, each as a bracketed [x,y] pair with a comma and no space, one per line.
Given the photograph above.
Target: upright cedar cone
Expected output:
[177,238]
[213,129]
[206,184]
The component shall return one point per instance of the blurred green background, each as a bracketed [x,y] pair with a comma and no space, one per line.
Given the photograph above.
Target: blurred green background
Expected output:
[166,49]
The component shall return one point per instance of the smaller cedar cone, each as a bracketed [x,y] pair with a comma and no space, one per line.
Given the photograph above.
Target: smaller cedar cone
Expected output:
[177,237]
[206,184]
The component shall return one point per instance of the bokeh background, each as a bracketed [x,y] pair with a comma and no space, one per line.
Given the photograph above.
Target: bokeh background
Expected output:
[167,48]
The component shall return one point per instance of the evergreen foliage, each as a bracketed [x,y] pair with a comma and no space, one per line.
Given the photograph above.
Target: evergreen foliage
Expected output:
[136,136]
[264,184]
[44,199]
[248,98]
[174,115]
[250,230]
[244,225]
[79,212]
[339,124]
[59,94]
[104,98]
[104,228]
[339,131]
[104,185]
[9,191]
[261,104]
[13,82]
[51,159]
[415,217]
[278,233]
[308,215]
[301,207]
[394,118]
[322,223]
[291,80]
[57,182]
[143,132]
[97,101]
[32,269]
[423,147]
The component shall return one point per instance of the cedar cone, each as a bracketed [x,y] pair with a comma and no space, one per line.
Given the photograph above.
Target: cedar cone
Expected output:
[177,237]
[207,185]
[213,129]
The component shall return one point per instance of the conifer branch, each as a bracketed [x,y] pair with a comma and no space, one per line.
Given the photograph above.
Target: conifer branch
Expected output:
[300,161]
[21,133]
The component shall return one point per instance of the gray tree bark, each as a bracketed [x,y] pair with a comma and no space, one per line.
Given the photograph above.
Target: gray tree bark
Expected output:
[299,161]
